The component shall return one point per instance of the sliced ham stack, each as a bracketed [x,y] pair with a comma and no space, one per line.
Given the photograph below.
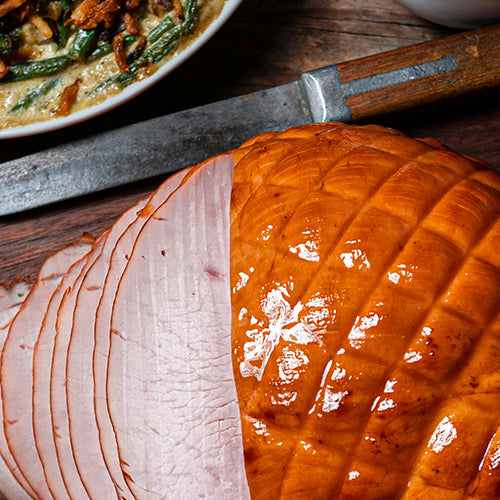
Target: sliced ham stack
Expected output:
[313,315]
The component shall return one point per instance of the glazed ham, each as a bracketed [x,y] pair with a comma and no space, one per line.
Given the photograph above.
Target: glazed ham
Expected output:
[313,315]
[365,269]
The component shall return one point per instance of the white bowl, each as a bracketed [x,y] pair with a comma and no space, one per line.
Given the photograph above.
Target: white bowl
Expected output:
[457,13]
[130,91]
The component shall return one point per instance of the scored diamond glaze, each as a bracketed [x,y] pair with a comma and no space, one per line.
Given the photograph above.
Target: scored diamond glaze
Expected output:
[366,330]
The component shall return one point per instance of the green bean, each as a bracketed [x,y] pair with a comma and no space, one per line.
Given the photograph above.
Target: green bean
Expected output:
[128,39]
[106,48]
[81,43]
[125,79]
[160,29]
[34,69]
[64,31]
[62,37]
[162,47]
[167,31]
[190,15]
[37,92]
[101,86]
[102,50]
[169,39]
[15,34]
[122,79]
[6,45]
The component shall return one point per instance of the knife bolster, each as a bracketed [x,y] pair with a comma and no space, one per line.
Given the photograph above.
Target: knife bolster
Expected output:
[323,90]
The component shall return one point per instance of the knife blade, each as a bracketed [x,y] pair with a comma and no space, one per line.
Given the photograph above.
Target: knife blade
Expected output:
[348,91]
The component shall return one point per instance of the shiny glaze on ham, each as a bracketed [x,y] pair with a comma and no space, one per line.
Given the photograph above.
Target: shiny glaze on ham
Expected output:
[365,275]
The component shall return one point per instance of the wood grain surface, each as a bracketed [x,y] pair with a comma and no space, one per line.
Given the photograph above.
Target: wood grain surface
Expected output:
[265,43]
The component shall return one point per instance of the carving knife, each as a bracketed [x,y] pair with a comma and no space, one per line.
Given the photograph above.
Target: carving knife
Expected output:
[347,92]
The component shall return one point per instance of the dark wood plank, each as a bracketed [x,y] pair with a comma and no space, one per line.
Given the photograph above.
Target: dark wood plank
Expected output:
[266,43]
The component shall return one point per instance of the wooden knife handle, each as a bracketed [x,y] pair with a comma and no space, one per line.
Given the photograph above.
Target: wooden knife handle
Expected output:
[471,61]
[404,78]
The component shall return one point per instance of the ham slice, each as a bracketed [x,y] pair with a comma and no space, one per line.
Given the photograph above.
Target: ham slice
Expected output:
[80,443]
[97,459]
[170,385]
[20,454]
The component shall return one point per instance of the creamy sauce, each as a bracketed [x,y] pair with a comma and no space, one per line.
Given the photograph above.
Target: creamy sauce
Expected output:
[91,74]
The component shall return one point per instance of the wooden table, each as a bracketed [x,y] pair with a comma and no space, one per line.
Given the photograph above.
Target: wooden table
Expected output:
[265,43]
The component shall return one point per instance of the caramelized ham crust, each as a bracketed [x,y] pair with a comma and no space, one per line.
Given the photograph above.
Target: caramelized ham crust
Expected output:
[365,275]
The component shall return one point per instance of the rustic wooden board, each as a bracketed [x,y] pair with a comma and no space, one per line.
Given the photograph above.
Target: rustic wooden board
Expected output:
[266,43]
